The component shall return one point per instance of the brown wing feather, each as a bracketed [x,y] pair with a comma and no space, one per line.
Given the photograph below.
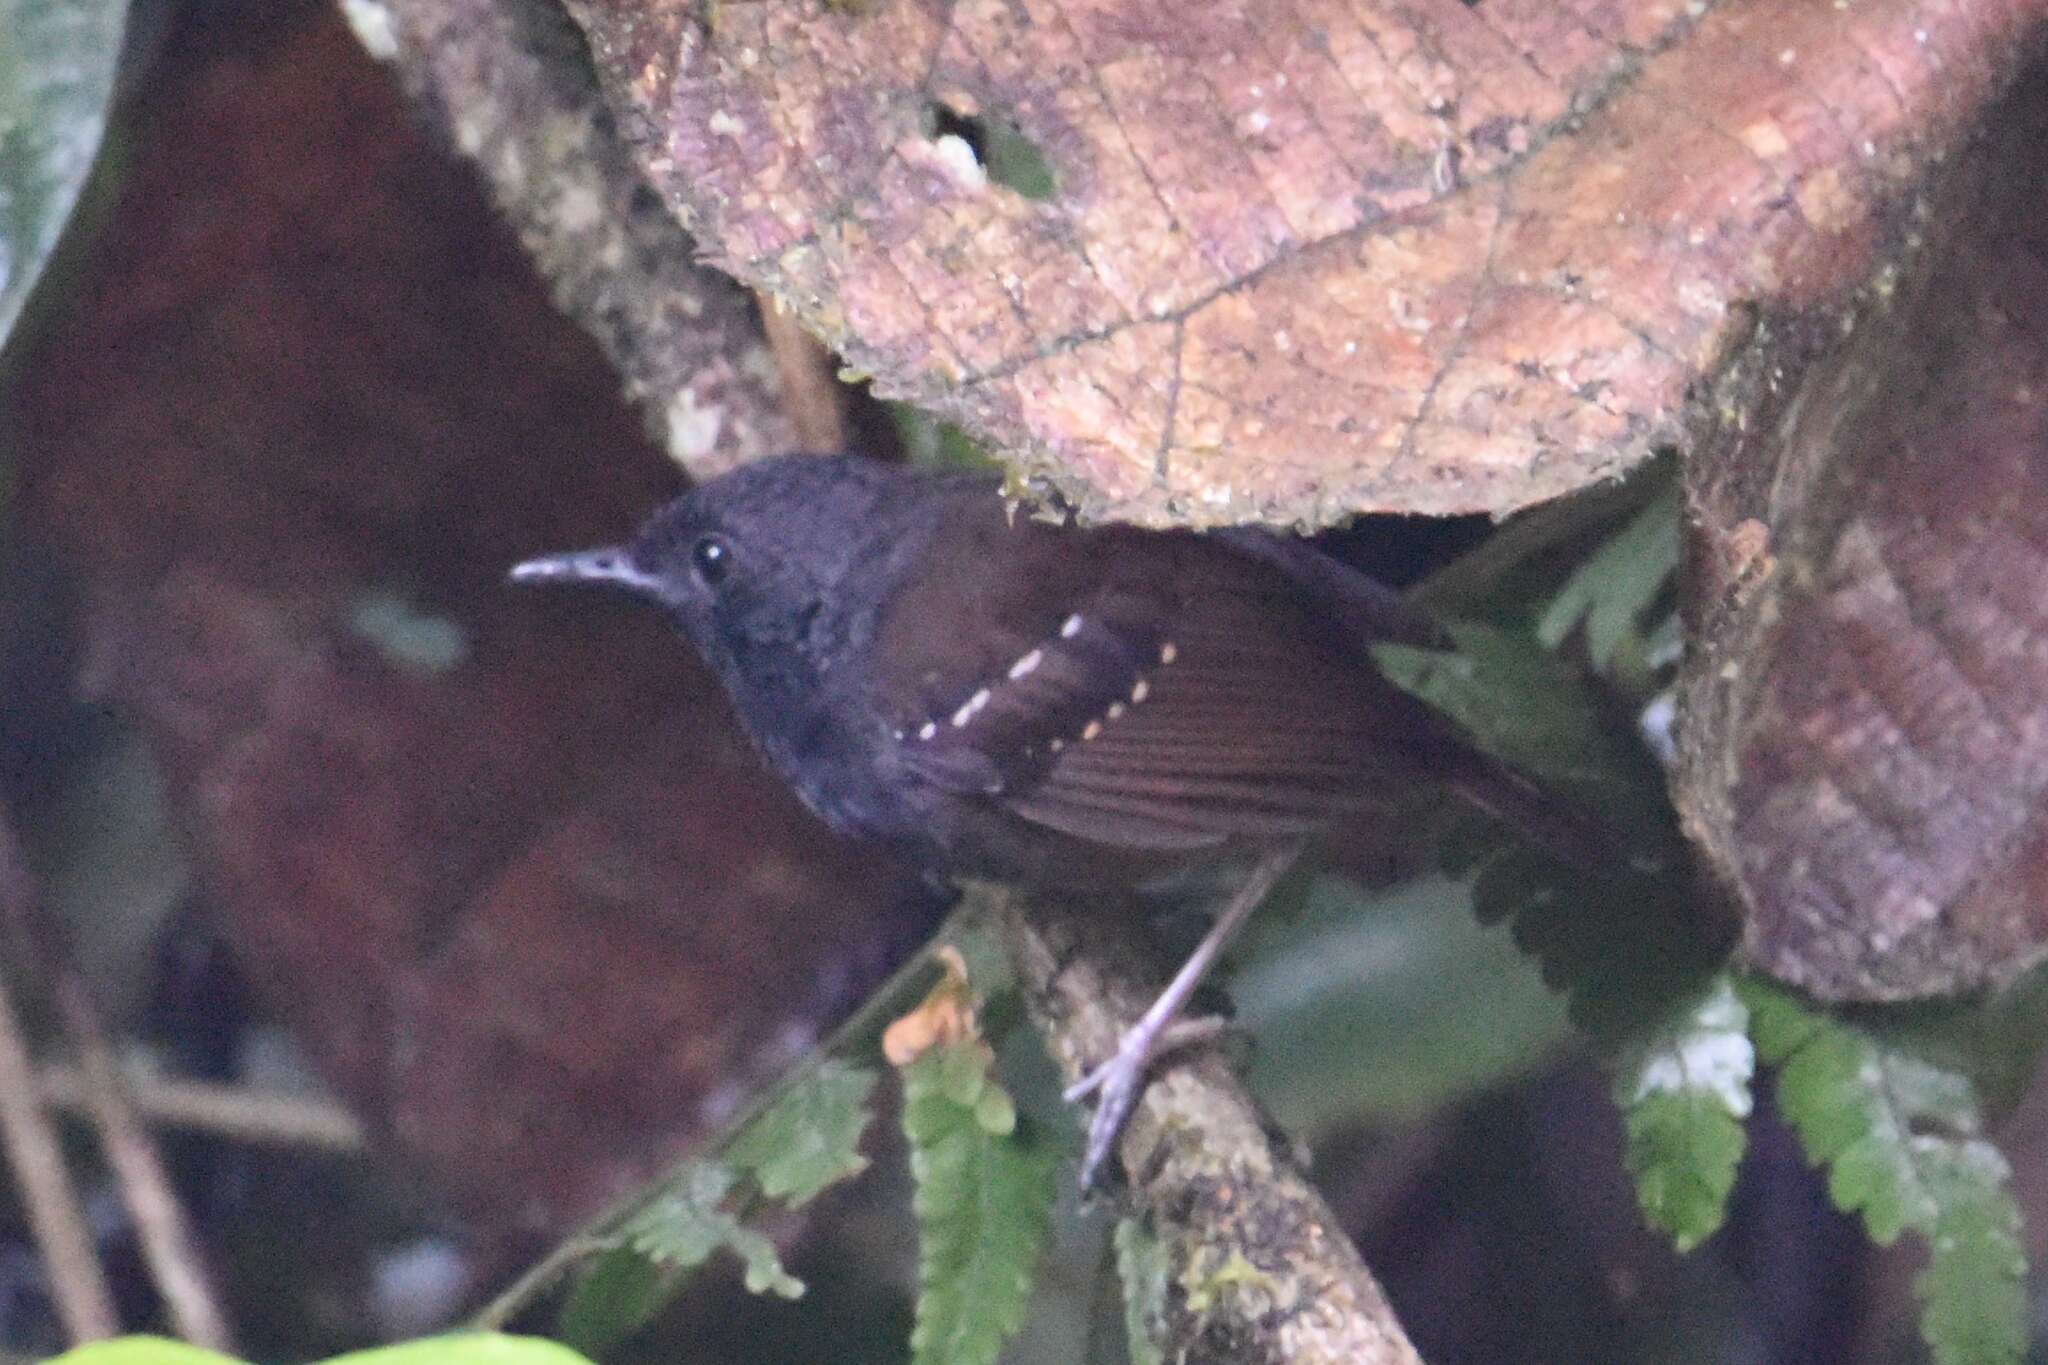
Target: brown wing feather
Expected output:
[1237,743]
[1230,711]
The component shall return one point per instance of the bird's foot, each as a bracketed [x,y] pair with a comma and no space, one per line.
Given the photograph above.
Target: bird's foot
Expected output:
[1121,1080]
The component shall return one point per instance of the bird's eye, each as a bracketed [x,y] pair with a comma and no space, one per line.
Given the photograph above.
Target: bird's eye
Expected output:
[711,557]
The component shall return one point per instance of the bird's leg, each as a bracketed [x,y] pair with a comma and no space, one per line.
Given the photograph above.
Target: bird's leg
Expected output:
[1121,1079]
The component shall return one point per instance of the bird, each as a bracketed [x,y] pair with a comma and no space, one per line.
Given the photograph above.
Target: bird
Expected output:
[1064,708]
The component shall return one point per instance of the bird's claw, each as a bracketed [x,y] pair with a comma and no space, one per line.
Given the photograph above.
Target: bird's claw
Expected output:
[1121,1080]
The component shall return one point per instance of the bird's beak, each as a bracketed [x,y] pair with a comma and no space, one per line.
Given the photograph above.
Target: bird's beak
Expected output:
[608,565]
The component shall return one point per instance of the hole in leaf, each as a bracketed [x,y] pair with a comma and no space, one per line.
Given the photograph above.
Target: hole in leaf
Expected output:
[1010,158]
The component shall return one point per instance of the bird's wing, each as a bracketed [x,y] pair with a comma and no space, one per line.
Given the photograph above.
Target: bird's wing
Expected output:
[1137,720]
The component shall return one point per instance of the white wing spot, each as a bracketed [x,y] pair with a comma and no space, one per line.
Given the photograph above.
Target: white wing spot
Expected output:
[1056,744]
[1116,710]
[969,707]
[928,729]
[1140,691]
[1026,664]
[1091,729]
[1071,626]
[1168,652]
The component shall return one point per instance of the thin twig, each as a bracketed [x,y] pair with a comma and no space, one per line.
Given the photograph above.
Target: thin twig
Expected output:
[77,1282]
[173,1254]
[811,393]
[231,1112]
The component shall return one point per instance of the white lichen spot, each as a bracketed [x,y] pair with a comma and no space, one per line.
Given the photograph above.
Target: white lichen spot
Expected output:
[1407,314]
[958,160]
[1658,725]
[578,208]
[969,707]
[373,26]
[511,164]
[1710,1052]
[692,427]
[1257,121]
[725,124]
[1701,298]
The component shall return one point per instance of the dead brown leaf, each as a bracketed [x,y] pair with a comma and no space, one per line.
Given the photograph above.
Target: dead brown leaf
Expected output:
[1308,259]
[513,880]
[945,1015]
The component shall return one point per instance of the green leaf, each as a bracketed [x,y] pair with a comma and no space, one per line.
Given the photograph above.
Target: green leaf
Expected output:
[1974,1287]
[1522,703]
[1014,160]
[1625,946]
[809,1138]
[929,440]
[1901,1134]
[1683,1151]
[57,62]
[615,1296]
[472,1348]
[687,1222]
[1684,1092]
[142,1351]
[983,1199]
[1626,939]
[469,1348]
[1347,999]
[1615,586]
[1141,1264]
[1629,943]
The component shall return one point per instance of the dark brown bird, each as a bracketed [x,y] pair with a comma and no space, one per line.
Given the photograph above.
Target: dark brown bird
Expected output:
[1049,705]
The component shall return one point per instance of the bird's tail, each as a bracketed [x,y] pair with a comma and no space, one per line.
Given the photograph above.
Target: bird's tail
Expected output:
[1548,818]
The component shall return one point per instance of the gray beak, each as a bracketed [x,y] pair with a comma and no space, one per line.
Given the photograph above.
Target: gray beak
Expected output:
[608,565]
